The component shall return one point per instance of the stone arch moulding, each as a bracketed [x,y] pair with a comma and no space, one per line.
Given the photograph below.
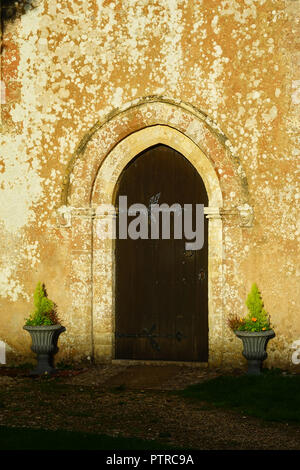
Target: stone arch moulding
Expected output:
[91,181]
[186,119]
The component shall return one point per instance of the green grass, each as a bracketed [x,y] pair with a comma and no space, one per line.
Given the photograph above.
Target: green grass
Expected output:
[40,439]
[271,396]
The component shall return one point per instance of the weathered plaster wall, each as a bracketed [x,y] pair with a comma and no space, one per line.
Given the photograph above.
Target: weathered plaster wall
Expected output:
[68,65]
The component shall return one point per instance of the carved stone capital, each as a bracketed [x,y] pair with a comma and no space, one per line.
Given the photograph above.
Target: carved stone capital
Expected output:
[64,216]
[106,211]
[243,212]
[246,215]
[83,212]
[212,212]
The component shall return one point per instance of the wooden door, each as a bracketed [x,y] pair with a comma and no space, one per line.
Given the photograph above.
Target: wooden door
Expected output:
[161,293]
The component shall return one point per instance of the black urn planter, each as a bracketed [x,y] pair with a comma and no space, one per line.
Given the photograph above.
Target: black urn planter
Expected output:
[44,344]
[255,344]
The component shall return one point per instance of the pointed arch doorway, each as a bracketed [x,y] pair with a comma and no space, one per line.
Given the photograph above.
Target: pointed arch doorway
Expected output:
[103,260]
[161,289]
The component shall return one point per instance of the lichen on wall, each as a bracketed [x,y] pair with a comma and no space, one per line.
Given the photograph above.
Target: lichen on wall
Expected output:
[68,65]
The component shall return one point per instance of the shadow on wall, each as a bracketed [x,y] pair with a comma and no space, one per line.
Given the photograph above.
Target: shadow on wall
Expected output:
[13,9]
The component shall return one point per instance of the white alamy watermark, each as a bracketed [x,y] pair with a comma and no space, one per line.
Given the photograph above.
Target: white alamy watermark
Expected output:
[2,352]
[150,222]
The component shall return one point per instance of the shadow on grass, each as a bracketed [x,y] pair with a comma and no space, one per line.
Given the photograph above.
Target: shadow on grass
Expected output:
[40,439]
[270,396]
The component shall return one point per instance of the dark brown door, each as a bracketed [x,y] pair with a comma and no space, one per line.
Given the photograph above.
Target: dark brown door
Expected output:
[161,301]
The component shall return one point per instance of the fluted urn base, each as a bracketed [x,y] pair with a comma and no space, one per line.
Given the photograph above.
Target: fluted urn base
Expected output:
[255,344]
[44,344]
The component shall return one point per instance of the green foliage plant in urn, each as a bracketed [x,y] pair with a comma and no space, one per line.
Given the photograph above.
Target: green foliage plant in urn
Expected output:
[254,330]
[44,327]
